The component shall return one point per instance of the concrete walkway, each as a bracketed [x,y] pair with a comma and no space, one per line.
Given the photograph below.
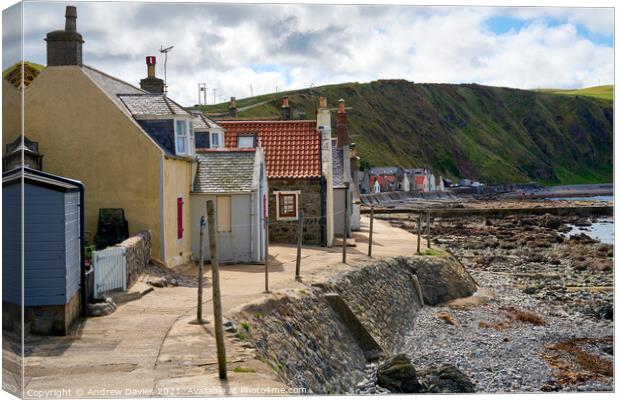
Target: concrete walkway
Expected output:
[150,348]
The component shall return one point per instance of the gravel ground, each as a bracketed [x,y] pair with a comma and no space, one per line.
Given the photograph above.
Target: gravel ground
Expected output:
[506,360]
[529,264]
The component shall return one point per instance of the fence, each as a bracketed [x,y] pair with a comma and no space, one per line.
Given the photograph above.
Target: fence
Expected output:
[109,268]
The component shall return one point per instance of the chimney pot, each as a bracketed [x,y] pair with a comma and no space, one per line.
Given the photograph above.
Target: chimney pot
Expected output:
[286,109]
[150,66]
[232,107]
[70,19]
[341,106]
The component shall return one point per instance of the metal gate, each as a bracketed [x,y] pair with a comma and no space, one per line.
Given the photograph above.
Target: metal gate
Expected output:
[109,266]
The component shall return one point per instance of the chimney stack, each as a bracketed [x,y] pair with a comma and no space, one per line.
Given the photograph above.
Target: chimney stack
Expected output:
[286,109]
[64,47]
[232,107]
[342,131]
[152,83]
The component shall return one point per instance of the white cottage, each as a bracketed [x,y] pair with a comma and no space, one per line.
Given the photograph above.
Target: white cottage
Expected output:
[236,180]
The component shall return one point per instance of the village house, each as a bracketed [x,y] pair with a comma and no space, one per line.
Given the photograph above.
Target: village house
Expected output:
[388,179]
[236,180]
[298,158]
[209,135]
[132,148]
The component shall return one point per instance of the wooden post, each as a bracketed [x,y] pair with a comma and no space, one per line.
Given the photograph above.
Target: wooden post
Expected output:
[300,236]
[267,255]
[200,270]
[345,229]
[217,296]
[428,229]
[419,231]
[372,217]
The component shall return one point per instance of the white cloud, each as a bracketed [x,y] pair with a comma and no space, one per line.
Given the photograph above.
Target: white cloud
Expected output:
[299,45]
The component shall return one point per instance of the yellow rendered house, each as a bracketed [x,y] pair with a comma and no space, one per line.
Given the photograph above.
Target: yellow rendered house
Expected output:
[132,148]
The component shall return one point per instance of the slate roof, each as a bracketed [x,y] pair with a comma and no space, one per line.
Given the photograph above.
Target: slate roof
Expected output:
[143,104]
[338,167]
[131,99]
[292,148]
[201,122]
[225,171]
[384,170]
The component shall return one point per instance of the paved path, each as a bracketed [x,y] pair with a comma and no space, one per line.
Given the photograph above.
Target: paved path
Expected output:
[148,347]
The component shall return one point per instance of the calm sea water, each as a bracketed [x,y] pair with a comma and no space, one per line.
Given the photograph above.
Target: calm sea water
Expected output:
[598,198]
[602,229]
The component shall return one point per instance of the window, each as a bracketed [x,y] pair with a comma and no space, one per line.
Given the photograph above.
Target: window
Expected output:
[215,140]
[184,137]
[179,217]
[287,204]
[223,213]
[246,141]
[181,136]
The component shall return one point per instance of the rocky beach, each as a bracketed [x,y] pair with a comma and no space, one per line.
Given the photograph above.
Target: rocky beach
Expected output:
[542,319]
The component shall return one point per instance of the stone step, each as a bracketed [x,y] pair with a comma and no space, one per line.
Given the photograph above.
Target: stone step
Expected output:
[338,241]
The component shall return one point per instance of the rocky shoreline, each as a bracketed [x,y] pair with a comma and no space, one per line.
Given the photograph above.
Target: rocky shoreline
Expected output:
[543,319]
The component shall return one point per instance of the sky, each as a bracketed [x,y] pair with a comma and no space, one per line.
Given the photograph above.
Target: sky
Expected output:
[242,49]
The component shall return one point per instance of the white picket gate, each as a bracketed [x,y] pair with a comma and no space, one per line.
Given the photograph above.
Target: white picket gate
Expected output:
[109,267]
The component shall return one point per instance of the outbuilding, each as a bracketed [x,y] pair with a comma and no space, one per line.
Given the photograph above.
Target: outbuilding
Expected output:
[236,180]
[52,250]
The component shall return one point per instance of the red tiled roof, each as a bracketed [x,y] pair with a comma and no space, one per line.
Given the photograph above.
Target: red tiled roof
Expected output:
[420,179]
[292,148]
[383,179]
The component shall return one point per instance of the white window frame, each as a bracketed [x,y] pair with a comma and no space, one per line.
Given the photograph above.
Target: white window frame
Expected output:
[247,136]
[297,194]
[190,138]
[219,140]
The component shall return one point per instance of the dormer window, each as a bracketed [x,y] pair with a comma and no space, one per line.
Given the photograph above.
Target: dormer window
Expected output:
[184,137]
[246,141]
[216,142]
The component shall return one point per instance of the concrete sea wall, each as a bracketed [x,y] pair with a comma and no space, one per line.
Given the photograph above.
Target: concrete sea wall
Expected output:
[322,345]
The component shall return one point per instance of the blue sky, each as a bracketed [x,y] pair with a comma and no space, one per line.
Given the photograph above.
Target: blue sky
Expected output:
[502,24]
[290,46]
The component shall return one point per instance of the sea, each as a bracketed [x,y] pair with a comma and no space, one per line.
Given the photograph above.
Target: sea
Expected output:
[602,229]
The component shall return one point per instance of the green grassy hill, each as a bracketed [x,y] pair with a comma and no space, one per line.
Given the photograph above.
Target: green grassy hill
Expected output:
[605,92]
[488,133]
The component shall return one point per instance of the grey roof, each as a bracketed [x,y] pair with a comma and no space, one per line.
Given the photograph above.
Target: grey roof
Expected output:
[338,167]
[385,170]
[111,85]
[225,171]
[143,104]
[201,122]
[131,99]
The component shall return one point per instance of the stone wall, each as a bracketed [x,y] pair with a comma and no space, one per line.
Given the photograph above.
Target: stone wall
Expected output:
[137,255]
[310,204]
[306,342]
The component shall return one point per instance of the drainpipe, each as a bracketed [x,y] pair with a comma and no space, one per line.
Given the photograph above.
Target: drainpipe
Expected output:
[252,195]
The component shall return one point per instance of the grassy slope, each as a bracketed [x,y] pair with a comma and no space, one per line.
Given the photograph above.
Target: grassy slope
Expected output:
[605,92]
[488,133]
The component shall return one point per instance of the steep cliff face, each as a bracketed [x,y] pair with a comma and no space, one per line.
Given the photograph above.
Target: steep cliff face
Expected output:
[488,133]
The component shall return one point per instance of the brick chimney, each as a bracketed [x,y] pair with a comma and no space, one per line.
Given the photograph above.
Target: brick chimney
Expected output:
[342,130]
[64,47]
[232,107]
[152,83]
[286,109]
